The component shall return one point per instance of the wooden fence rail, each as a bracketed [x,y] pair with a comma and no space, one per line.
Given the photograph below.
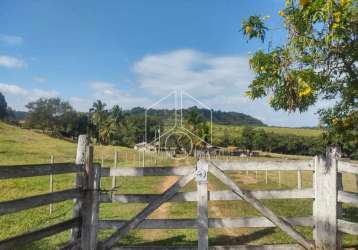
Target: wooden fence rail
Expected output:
[146,171]
[237,247]
[224,195]
[246,222]
[287,165]
[347,167]
[38,200]
[347,227]
[7,172]
[39,234]
[327,194]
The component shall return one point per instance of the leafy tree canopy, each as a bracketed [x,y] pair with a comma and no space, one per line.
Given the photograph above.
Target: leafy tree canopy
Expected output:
[55,116]
[318,61]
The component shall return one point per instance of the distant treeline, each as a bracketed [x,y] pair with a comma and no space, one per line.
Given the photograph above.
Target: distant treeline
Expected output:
[258,139]
[252,138]
[117,127]
[218,117]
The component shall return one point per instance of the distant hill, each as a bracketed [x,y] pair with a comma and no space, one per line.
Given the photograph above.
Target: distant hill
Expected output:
[219,117]
[20,115]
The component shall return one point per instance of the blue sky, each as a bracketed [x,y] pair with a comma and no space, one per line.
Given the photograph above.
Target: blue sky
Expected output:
[134,52]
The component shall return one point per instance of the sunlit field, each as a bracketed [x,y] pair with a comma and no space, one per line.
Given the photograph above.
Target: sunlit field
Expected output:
[18,146]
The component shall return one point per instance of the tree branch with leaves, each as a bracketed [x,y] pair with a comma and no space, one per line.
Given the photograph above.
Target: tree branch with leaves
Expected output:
[317,62]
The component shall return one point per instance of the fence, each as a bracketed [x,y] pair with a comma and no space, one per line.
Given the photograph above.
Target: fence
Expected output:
[327,193]
[139,157]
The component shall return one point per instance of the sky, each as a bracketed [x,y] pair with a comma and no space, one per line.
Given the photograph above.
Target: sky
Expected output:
[134,52]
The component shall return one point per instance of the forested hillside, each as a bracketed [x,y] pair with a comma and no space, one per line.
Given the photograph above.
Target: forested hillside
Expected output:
[219,117]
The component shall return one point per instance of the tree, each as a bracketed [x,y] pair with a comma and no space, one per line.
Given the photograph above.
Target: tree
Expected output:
[98,115]
[3,107]
[260,140]
[203,131]
[117,121]
[194,119]
[46,114]
[226,138]
[318,61]
[106,131]
[72,124]
[247,137]
[199,127]
[117,115]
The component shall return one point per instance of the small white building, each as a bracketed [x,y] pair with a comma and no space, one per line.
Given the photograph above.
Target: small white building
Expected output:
[143,146]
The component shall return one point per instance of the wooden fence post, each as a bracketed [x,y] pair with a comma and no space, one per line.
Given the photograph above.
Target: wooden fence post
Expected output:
[80,160]
[115,165]
[139,161]
[340,187]
[339,209]
[90,208]
[326,233]
[102,156]
[299,179]
[279,178]
[202,195]
[51,182]
[143,158]
[315,166]
[266,176]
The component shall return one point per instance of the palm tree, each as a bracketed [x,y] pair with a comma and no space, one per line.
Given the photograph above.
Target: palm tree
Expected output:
[194,119]
[106,131]
[117,123]
[98,116]
[199,127]
[117,116]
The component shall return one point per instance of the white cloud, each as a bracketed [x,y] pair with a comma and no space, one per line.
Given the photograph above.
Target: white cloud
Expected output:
[11,40]
[17,97]
[11,62]
[200,74]
[218,81]
[12,89]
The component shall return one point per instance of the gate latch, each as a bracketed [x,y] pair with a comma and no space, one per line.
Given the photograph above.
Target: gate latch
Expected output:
[201,171]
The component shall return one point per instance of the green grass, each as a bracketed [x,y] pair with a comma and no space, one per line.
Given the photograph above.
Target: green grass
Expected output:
[19,146]
[218,130]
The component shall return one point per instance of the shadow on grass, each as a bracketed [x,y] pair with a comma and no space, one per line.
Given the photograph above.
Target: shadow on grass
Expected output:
[350,214]
[181,240]
[242,239]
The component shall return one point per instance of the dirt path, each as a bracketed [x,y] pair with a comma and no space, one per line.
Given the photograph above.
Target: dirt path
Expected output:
[245,179]
[218,213]
[164,210]
[213,209]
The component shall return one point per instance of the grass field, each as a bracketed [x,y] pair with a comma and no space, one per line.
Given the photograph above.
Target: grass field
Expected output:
[19,146]
[218,130]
